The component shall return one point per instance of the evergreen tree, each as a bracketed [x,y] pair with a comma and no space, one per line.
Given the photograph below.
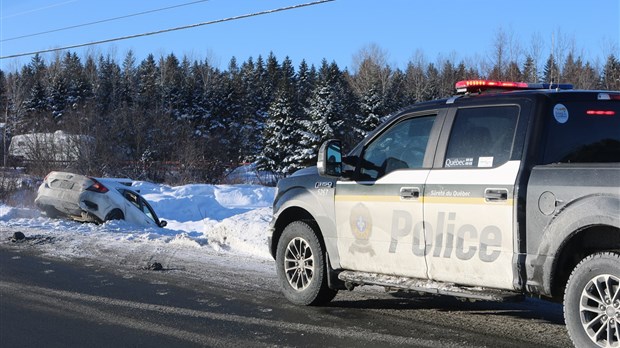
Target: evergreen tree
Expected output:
[433,77]
[551,72]
[282,137]
[37,98]
[513,73]
[254,109]
[205,76]
[588,79]
[272,75]
[371,85]
[416,82]
[611,74]
[227,119]
[128,80]
[306,80]
[33,78]
[530,72]
[149,96]
[571,70]
[282,133]
[108,91]
[79,88]
[397,93]
[325,112]
[170,82]
[447,77]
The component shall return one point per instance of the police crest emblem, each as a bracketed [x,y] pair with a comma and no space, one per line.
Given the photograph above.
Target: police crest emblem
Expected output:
[360,222]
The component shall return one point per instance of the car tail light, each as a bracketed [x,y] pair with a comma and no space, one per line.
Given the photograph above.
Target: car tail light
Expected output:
[97,187]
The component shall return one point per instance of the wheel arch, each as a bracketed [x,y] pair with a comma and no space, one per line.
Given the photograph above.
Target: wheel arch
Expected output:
[581,244]
[115,214]
[289,215]
[583,227]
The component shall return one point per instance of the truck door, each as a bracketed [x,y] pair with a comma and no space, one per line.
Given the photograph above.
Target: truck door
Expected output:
[379,215]
[468,199]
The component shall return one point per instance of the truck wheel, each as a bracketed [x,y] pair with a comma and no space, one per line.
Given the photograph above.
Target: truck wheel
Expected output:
[301,267]
[592,301]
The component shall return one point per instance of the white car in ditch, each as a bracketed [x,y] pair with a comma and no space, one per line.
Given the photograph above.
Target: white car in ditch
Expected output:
[88,199]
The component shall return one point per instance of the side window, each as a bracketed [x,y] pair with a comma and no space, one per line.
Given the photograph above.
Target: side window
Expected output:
[131,197]
[146,209]
[481,137]
[402,146]
[589,133]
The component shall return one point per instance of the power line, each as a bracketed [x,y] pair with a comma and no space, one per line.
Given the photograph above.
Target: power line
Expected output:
[169,30]
[37,9]
[101,21]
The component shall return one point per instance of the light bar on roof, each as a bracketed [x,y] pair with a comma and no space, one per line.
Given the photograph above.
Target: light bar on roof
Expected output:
[482,85]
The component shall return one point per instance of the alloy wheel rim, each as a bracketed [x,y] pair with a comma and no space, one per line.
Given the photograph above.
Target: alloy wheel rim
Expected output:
[599,310]
[299,264]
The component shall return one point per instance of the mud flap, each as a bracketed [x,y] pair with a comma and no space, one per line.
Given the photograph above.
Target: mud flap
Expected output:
[333,282]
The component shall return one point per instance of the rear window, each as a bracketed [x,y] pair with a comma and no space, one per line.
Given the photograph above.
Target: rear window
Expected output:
[583,132]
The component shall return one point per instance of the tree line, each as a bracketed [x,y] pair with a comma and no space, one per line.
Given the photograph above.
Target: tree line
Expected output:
[178,120]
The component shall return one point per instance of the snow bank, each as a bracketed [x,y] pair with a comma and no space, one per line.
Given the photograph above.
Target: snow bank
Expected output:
[222,218]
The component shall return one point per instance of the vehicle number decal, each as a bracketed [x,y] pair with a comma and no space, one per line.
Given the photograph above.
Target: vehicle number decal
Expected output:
[322,187]
[323,184]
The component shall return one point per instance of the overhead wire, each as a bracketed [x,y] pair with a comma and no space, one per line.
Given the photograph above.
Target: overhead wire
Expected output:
[37,9]
[281,9]
[102,21]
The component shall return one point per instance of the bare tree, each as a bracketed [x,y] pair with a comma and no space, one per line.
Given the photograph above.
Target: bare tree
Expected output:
[506,57]
[415,77]
[369,68]
[535,53]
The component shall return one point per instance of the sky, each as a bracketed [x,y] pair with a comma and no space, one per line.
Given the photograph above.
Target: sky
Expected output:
[336,30]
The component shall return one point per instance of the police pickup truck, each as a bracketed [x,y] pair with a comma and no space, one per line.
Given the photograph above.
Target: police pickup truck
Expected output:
[503,191]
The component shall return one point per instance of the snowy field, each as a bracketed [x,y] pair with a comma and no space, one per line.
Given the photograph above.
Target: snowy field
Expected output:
[229,221]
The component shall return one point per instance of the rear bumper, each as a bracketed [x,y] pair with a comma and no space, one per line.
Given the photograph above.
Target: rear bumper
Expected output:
[63,206]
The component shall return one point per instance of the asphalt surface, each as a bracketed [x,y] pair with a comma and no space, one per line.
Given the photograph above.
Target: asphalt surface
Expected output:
[83,303]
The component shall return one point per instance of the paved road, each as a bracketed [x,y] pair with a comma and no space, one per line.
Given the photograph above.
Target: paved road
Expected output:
[81,303]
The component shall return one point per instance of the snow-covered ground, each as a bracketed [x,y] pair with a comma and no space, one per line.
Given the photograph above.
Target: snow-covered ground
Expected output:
[223,220]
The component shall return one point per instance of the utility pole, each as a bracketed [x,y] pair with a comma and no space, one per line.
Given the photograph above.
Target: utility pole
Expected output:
[6,124]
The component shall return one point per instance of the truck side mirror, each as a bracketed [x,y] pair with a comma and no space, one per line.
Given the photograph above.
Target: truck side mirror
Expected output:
[330,158]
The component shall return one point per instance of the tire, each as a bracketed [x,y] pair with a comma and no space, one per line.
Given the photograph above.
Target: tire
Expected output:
[115,214]
[592,301]
[301,266]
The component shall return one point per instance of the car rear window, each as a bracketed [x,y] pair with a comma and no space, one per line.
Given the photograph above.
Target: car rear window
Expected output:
[583,132]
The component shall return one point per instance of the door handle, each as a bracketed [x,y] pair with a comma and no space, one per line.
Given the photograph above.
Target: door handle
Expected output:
[495,195]
[409,193]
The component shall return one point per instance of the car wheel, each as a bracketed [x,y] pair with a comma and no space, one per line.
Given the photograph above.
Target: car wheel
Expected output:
[115,214]
[592,301]
[301,267]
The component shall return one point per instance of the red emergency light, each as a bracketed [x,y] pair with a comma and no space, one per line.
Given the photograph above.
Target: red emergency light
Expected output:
[483,85]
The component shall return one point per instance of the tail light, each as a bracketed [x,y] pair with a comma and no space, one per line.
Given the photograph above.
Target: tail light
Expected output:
[97,187]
